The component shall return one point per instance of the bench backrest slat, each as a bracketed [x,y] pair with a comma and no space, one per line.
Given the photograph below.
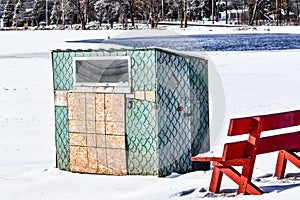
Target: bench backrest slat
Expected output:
[242,126]
[235,150]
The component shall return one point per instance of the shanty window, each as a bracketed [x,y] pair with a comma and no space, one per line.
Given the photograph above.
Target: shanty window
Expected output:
[102,71]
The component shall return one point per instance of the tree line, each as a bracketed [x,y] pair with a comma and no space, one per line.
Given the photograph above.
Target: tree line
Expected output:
[127,12]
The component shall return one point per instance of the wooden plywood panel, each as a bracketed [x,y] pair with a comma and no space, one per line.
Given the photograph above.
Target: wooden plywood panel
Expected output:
[101,161]
[116,161]
[76,106]
[91,140]
[100,141]
[99,107]
[114,107]
[97,131]
[77,126]
[78,139]
[90,107]
[78,159]
[114,141]
[115,128]
[100,127]
[91,126]
[92,160]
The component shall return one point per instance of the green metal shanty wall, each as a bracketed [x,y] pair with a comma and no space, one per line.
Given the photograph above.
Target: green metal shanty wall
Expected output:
[142,155]
[160,139]
[182,96]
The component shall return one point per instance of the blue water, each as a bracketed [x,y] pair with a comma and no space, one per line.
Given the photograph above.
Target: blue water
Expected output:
[221,42]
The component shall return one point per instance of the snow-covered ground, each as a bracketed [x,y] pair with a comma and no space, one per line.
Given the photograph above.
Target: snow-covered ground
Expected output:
[241,84]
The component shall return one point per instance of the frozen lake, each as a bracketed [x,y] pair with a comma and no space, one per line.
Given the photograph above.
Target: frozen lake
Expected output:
[218,42]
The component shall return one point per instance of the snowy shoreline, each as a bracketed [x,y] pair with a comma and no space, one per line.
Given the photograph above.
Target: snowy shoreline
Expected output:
[164,30]
[254,82]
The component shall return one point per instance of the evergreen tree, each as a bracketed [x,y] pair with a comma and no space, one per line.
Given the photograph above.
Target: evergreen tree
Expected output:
[113,12]
[171,10]
[8,13]
[81,8]
[39,11]
[19,12]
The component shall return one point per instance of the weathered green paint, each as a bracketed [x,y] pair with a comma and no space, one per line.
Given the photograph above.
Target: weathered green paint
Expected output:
[62,138]
[143,70]
[62,70]
[141,137]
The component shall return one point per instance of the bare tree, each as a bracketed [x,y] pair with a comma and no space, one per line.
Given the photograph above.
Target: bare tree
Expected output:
[82,9]
[253,11]
[151,11]
[56,13]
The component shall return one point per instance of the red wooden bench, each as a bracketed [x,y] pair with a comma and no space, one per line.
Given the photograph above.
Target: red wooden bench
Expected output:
[243,153]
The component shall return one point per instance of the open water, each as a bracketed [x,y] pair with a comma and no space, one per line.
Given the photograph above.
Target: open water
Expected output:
[219,42]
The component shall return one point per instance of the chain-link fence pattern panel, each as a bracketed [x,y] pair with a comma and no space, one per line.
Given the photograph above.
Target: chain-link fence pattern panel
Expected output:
[62,138]
[62,70]
[141,137]
[181,133]
[173,123]
[200,107]
[143,70]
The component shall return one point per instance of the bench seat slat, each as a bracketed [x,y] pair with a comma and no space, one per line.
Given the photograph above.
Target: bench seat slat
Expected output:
[234,162]
[205,159]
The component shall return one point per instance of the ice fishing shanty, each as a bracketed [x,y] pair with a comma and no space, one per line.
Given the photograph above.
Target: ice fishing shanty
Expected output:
[129,111]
